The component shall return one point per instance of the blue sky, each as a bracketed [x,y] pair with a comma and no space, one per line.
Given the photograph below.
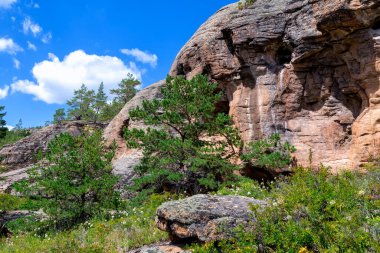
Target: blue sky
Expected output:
[49,48]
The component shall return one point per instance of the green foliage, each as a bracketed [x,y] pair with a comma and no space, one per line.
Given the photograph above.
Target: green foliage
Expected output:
[59,116]
[100,102]
[76,179]
[9,202]
[126,89]
[89,105]
[242,4]
[269,153]
[3,129]
[122,232]
[187,146]
[81,104]
[313,212]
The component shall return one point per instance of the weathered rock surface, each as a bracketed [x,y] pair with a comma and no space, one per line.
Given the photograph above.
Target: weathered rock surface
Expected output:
[125,159]
[205,217]
[11,177]
[307,69]
[160,248]
[23,152]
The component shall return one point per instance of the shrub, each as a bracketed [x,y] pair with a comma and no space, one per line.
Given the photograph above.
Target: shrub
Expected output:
[188,145]
[269,153]
[76,179]
[312,212]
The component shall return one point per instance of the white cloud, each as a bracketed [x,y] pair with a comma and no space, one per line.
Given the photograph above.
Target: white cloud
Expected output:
[7,3]
[9,46]
[141,56]
[29,26]
[16,63]
[4,92]
[31,46]
[56,80]
[47,37]
[9,127]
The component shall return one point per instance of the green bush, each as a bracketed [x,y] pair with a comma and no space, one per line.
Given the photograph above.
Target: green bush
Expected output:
[269,153]
[312,212]
[76,180]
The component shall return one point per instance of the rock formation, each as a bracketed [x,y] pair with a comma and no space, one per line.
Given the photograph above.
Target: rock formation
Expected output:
[23,152]
[126,159]
[205,217]
[308,70]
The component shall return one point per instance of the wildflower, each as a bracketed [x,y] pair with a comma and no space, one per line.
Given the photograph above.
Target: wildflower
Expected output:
[361,193]
[303,250]
[332,202]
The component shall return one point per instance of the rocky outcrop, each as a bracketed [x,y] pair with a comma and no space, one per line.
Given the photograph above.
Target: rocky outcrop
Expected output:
[23,152]
[125,159]
[307,69]
[205,218]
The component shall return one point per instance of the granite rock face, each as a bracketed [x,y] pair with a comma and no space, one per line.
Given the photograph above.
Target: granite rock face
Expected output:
[307,69]
[125,159]
[205,218]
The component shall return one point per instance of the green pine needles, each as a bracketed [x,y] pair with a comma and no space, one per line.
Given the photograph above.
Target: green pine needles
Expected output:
[75,178]
[187,146]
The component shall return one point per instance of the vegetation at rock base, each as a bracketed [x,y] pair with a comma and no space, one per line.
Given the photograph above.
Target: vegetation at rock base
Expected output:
[76,180]
[312,211]
[125,230]
[187,145]
[269,153]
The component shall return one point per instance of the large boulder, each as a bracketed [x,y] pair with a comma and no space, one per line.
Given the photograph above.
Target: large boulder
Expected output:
[205,218]
[308,70]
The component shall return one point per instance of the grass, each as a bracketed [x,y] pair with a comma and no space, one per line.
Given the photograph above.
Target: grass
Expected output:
[127,230]
[312,211]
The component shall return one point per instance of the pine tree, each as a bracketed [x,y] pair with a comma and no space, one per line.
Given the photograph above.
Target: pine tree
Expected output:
[59,116]
[100,102]
[188,146]
[126,89]
[76,179]
[81,104]
[3,128]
